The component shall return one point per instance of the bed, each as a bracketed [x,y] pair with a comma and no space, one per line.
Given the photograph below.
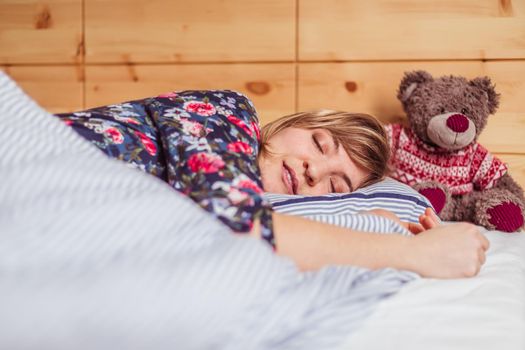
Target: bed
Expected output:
[94,254]
[485,312]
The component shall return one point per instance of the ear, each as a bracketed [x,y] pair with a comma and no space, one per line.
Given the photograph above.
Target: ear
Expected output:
[410,82]
[484,84]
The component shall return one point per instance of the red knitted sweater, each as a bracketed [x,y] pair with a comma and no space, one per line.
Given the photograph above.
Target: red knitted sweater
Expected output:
[414,161]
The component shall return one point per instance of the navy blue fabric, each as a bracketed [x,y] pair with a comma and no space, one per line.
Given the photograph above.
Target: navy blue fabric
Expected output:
[352,195]
[203,143]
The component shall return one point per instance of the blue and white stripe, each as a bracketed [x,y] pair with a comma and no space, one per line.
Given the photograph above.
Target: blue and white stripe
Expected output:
[95,255]
[360,222]
[344,209]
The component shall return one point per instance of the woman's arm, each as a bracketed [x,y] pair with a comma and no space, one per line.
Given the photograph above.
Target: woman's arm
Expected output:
[451,251]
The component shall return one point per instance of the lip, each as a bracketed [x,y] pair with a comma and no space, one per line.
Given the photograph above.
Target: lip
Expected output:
[290,186]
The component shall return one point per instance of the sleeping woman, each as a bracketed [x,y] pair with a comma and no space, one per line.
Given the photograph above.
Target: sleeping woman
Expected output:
[208,145]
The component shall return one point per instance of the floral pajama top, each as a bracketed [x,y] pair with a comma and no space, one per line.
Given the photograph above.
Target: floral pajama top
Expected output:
[203,143]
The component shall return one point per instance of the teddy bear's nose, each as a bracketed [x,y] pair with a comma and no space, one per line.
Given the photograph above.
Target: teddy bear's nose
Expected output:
[457,123]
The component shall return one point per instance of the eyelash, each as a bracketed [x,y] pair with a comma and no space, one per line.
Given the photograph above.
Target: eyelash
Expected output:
[332,188]
[317,144]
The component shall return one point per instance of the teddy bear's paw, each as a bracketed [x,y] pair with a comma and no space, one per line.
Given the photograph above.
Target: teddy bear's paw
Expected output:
[501,212]
[507,217]
[436,196]
[436,193]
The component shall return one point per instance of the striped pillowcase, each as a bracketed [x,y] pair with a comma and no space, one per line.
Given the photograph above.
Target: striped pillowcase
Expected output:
[340,209]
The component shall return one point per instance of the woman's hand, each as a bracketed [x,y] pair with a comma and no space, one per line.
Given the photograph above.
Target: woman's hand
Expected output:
[427,220]
[448,251]
[455,250]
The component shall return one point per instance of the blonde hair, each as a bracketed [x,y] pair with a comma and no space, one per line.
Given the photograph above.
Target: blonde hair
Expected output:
[361,135]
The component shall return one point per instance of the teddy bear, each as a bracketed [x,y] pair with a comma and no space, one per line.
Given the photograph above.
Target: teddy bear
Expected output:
[439,156]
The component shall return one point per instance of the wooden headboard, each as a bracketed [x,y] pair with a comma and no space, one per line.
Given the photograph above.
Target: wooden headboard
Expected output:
[286,55]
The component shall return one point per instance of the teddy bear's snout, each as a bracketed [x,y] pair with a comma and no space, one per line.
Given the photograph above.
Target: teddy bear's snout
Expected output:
[457,122]
[451,130]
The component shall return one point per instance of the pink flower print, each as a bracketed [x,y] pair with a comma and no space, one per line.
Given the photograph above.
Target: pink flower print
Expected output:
[168,95]
[149,145]
[256,130]
[245,182]
[239,123]
[200,108]
[191,127]
[205,162]
[239,147]
[67,122]
[132,121]
[114,134]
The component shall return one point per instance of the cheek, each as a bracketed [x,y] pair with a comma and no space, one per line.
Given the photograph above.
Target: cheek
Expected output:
[291,143]
[319,189]
[269,174]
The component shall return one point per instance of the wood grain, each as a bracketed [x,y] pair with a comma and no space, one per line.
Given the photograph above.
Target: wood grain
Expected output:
[411,29]
[516,164]
[57,88]
[270,86]
[304,54]
[373,89]
[33,31]
[184,31]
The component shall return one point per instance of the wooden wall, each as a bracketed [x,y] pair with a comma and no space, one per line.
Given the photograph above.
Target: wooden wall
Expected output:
[286,55]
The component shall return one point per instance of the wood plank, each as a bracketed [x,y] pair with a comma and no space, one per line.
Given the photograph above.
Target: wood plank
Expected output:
[271,87]
[505,131]
[516,164]
[411,29]
[190,31]
[56,88]
[372,88]
[33,31]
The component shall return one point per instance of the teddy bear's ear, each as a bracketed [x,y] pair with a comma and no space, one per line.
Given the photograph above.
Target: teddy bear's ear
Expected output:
[486,85]
[410,82]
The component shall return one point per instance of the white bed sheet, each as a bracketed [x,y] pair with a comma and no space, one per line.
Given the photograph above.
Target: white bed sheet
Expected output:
[484,312]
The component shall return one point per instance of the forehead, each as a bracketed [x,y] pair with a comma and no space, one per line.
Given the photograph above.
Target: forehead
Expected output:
[341,153]
[307,133]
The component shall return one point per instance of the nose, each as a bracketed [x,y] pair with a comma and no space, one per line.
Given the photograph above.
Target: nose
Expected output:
[457,122]
[313,172]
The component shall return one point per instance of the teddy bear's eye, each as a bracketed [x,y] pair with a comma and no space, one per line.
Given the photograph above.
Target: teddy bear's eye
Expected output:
[441,110]
[464,111]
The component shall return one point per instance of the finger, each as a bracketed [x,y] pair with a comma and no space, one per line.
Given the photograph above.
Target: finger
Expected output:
[414,228]
[482,256]
[427,222]
[478,269]
[485,244]
[433,216]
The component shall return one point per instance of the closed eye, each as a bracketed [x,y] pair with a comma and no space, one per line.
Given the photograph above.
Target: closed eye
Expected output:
[317,144]
[340,184]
